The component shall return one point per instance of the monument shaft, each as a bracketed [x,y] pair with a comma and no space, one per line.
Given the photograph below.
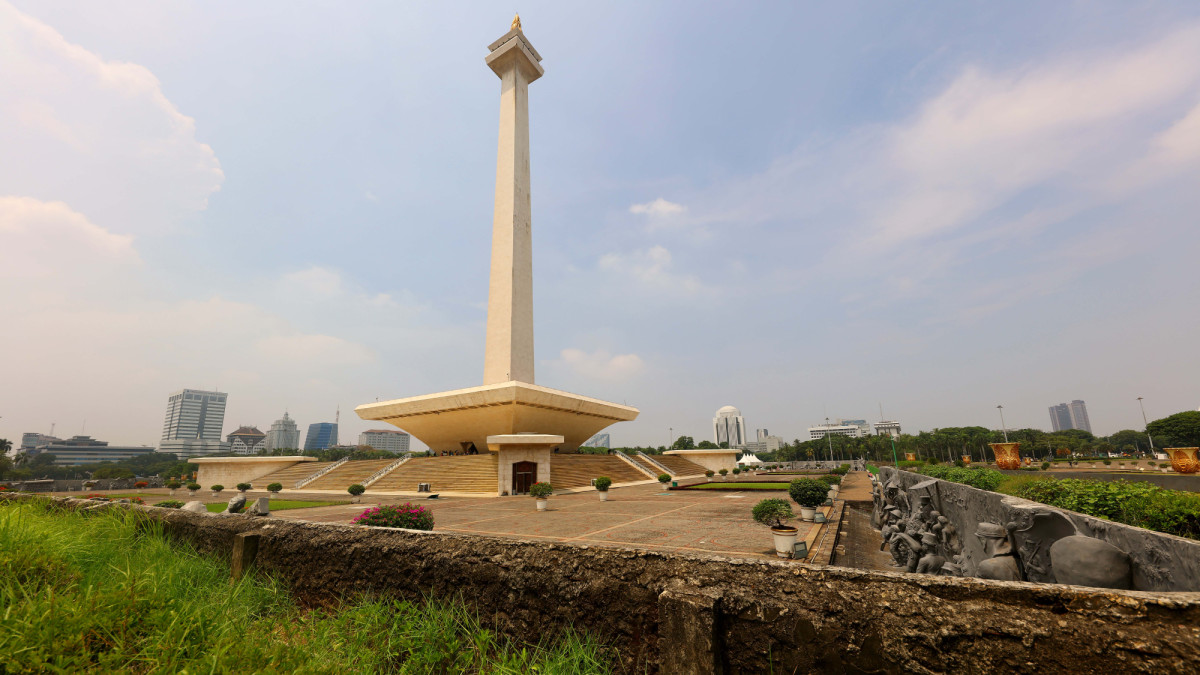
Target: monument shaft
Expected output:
[509,352]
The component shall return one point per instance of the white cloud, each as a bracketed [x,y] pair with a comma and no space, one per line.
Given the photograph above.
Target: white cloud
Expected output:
[300,350]
[41,239]
[658,208]
[601,364]
[650,267]
[98,135]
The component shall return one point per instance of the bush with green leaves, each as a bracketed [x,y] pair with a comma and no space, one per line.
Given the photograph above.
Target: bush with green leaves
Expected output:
[736,471]
[978,477]
[1139,504]
[773,513]
[404,515]
[170,504]
[541,490]
[217,488]
[1045,466]
[603,483]
[842,470]
[173,485]
[709,473]
[664,478]
[356,489]
[243,486]
[808,492]
[910,464]
[275,487]
[830,479]
[1107,462]
[192,487]
[723,472]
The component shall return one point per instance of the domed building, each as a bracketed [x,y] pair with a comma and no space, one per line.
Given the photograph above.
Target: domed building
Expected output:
[729,427]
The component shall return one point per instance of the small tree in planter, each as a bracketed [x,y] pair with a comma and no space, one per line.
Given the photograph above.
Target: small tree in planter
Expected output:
[193,488]
[243,488]
[809,494]
[602,485]
[216,490]
[664,478]
[356,491]
[140,484]
[709,474]
[736,471]
[274,489]
[723,472]
[173,485]
[1108,462]
[541,491]
[400,515]
[774,513]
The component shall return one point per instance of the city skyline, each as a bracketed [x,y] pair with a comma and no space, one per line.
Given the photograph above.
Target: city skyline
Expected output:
[941,232]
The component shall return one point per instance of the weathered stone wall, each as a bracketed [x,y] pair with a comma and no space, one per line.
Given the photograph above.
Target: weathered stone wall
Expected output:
[1160,562]
[692,614]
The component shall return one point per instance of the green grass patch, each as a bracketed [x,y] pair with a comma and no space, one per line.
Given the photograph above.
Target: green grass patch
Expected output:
[738,486]
[277,505]
[103,594]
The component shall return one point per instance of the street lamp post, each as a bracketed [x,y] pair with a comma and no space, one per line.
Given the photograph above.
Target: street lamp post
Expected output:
[1147,425]
[1002,425]
[829,438]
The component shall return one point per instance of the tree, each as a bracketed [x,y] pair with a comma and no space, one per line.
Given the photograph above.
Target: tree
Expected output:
[684,443]
[1181,430]
[5,446]
[706,445]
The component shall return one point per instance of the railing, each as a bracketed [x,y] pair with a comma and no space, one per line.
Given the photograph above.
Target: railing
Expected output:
[637,465]
[322,472]
[384,471]
[655,462]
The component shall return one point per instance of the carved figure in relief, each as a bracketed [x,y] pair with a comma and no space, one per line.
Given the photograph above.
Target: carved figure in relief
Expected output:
[931,562]
[1000,564]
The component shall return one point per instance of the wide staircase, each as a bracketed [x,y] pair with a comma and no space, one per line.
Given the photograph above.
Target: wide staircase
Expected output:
[290,476]
[576,471]
[350,473]
[648,464]
[469,473]
[680,466]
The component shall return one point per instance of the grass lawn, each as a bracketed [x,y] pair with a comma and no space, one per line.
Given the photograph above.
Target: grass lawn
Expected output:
[110,594]
[739,486]
[278,505]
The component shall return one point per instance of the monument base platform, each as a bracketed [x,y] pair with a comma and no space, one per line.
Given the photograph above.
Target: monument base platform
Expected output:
[711,458]
[454,421]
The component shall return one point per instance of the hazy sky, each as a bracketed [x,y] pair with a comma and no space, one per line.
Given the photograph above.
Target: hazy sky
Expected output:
[800,209]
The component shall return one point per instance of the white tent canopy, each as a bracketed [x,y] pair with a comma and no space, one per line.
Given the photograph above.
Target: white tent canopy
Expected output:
[749,458]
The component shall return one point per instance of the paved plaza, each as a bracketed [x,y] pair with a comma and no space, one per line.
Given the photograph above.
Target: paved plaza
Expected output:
[643,516]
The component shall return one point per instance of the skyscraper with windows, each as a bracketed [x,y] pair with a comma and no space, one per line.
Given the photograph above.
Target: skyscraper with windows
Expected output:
[321,435]
[193,423]
[1070,416]
[283,434]
[392,440]
[729,427]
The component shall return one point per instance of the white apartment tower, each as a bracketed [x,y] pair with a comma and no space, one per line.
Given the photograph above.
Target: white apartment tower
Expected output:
[283,434]
[390,440]
[193,423]
[729,427]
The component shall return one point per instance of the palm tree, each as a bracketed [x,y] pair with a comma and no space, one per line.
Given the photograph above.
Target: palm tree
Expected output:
[5,446]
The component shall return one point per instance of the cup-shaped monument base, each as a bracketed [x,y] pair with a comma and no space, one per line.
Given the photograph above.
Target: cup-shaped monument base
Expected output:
[1183,460]
[1008,455]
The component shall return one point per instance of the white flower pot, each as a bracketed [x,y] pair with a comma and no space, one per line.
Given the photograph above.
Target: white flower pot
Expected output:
[170,493]
[354,499]
[272,495]
[785,541]
[832,494]
[807,513]
[541,504]
[216,494]
[604,495]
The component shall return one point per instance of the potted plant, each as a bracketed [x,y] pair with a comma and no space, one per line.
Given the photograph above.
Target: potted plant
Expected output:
[774,513]
[274,489]
[140,484]
[173,485]
[356,491]
[216,490]
[708,475]
[809,494]
[243,488]
[723,472]
[736,471]
[541,491]
[193,488]
[602,485]
[664,478]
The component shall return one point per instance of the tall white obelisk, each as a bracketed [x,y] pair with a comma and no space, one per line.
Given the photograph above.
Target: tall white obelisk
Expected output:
[509,352]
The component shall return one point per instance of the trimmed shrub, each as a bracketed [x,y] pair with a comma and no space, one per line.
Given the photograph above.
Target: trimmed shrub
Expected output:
[541,490]
[830,479]
[173,485]
[356,489]
[665,478]
[603,483]
[170,504]
[910,464]
[140,484]
[404,515]
[275,487]
[978,477]
[192,487]
[736,471]
[773,512]
[808,492]
[1108,462]
[1045,466]
[1139,504]
[723,472]
[709,473]
[243,486]
[217,488]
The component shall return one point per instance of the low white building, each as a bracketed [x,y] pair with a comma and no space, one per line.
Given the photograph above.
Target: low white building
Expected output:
[391,440]
[819,431]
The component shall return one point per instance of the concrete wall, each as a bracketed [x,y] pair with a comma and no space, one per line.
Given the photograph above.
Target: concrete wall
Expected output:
[229,471]
[707,614]
[1160,562]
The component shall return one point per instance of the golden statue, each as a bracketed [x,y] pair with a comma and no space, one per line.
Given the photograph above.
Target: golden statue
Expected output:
[516,24]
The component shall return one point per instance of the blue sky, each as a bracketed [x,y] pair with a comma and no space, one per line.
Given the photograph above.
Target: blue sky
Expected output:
[800,209]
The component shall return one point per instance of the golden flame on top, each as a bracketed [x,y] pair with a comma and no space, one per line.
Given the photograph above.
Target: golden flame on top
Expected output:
[516,24]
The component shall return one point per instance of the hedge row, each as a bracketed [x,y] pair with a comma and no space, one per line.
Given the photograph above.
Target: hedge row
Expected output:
[977,477]
[1134,503]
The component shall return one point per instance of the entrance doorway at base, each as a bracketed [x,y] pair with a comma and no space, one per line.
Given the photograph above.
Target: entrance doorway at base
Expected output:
[524,475]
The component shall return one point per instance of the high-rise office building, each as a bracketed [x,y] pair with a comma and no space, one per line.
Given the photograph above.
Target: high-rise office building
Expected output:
[729,427]
[193,423]
[321,435]
[391,440]
[246,441]
[1071,415]
[284,434]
